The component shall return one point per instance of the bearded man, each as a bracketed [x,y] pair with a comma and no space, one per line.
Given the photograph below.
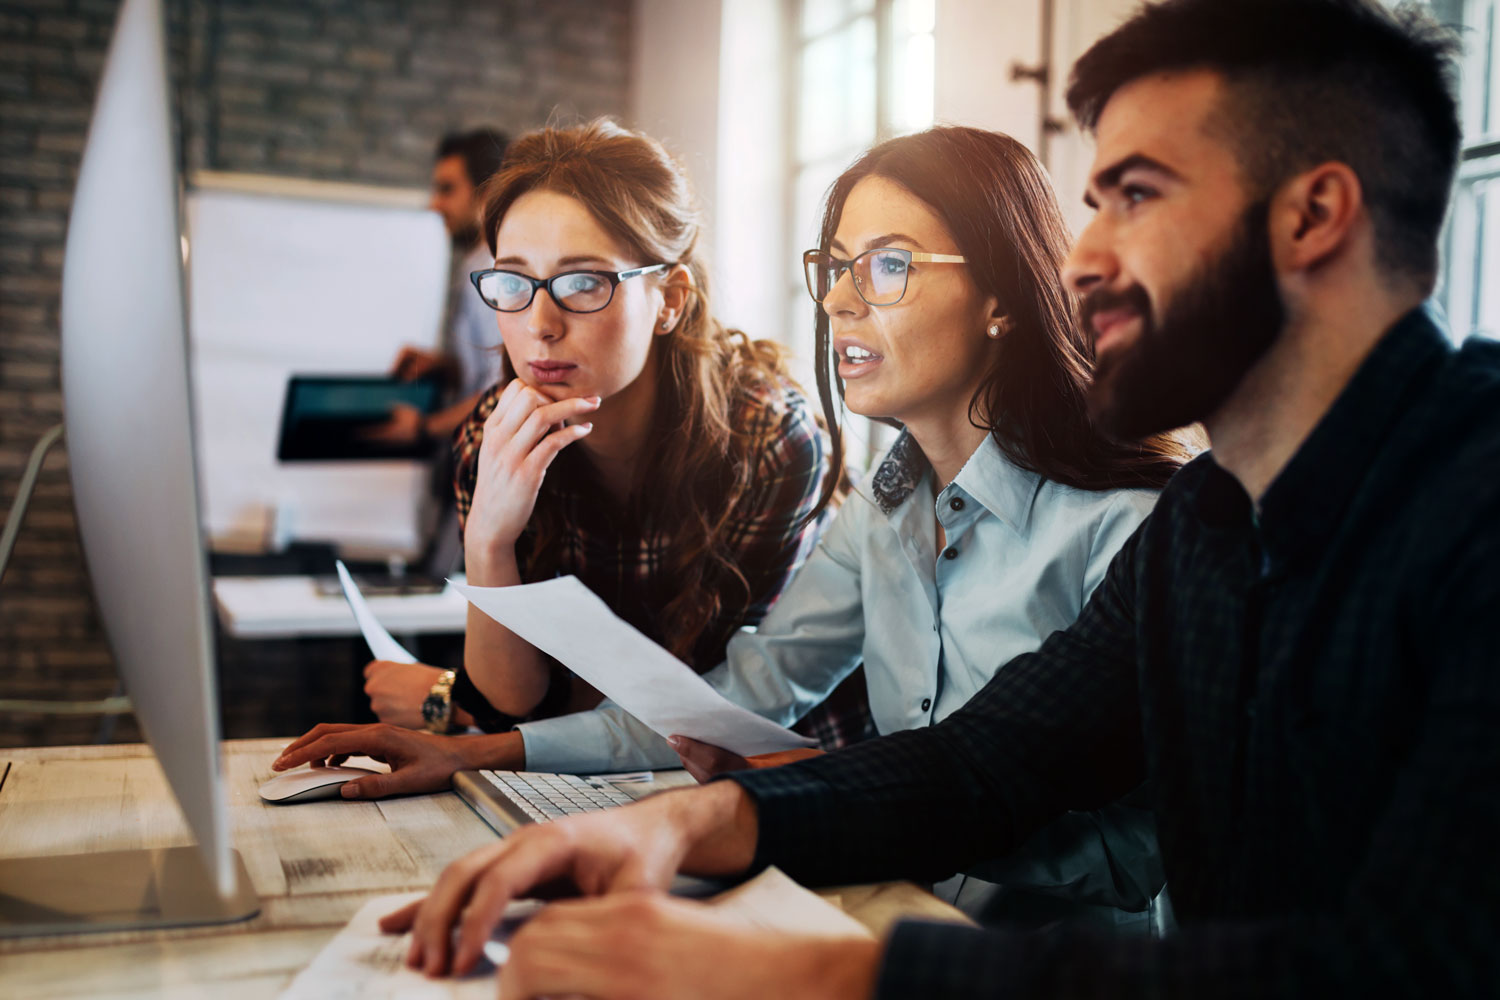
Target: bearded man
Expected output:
[1295,648]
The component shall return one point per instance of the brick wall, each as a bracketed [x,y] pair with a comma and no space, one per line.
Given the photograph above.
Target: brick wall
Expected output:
[334,89]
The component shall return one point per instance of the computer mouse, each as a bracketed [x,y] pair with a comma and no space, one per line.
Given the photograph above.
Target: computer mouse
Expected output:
[310,784]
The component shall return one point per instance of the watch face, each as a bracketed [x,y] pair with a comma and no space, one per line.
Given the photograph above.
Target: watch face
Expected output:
[433,708]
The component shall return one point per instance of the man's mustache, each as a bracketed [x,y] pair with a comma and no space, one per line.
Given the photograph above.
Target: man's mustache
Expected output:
[1104,299]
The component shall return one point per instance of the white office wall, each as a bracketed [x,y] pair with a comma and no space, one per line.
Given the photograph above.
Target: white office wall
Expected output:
[706,81]
[751,218]
[1079,24]
[977,42]
[675,86]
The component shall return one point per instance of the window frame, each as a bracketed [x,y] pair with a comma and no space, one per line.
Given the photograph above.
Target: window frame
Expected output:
[1460,282]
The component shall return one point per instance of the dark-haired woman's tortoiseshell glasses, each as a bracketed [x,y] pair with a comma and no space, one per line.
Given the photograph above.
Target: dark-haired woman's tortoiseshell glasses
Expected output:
[879,274]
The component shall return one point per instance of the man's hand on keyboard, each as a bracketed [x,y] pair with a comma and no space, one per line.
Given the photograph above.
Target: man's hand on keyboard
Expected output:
[646,944]
[704,831]
[420,762]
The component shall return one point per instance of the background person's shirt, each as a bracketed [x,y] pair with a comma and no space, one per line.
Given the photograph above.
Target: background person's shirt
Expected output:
[472,336]
[1313,688]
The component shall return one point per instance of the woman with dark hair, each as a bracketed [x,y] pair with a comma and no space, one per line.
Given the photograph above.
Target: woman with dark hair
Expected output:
[996,512]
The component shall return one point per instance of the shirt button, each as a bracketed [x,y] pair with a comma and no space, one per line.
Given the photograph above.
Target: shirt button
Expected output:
[950,553]
[957,503]
[926,704]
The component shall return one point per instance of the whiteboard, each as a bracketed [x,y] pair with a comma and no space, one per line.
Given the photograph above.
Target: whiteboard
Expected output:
[313,282]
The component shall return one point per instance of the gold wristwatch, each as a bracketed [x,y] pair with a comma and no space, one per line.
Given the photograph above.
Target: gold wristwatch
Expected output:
[437,707]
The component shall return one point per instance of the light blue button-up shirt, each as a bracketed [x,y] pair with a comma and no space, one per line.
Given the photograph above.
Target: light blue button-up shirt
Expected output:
[1022,556]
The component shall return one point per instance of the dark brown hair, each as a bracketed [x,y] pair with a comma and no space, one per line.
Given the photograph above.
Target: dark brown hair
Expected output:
[698,465]
[1311,81]
[996,202]
[482,150]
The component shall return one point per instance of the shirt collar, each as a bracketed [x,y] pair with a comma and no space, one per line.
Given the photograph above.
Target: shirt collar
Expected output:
[898,474]
[1309,497]
[1004,488]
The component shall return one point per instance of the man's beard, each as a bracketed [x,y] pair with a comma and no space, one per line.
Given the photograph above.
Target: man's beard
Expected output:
[1221,322]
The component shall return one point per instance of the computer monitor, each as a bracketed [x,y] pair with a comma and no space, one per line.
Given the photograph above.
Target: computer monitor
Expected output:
[126,406]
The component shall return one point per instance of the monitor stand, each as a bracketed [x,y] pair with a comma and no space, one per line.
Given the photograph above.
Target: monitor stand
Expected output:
[117,890]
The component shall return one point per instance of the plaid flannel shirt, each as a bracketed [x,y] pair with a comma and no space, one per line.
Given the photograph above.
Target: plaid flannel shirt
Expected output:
[619,556]
[1314,689]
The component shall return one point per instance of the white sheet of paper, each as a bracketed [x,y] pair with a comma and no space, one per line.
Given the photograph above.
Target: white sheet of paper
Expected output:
[564,618]
[772,901]
[382,646]
[362,962]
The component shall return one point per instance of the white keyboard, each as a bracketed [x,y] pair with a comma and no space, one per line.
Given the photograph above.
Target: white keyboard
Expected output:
[544,797]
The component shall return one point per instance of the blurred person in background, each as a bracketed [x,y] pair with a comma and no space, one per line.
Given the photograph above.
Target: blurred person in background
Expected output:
[467,363]
[468,360]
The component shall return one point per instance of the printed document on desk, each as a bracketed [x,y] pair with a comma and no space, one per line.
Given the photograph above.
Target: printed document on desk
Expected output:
[361,962]
[382,646]
[773,901]
[565,619]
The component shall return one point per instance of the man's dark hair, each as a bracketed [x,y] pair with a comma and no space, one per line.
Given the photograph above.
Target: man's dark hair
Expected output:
[1311,81]
[482,150]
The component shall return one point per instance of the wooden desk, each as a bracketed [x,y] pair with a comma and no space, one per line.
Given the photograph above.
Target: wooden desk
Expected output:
[313,866]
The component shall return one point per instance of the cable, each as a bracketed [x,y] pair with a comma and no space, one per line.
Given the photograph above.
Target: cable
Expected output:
[23,495]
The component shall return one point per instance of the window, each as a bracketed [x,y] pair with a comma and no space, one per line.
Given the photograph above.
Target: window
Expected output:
[1472,244]
[863,73]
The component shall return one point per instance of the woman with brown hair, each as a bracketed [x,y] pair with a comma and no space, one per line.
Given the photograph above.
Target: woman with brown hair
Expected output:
[685,505]
[632,441]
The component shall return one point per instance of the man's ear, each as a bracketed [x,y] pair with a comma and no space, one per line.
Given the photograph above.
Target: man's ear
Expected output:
[677,290]
[1314,215]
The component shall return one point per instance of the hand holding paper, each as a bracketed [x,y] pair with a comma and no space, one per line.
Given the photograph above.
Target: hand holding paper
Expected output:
[565,619]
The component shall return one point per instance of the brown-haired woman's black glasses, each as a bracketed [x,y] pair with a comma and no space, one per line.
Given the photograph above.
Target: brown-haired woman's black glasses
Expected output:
[574,291]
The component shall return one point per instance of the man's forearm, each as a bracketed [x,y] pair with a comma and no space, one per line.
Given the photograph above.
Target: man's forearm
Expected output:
[719,824]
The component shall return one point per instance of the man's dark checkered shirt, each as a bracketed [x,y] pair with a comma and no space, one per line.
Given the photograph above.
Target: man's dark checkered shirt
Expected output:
[1313,689]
